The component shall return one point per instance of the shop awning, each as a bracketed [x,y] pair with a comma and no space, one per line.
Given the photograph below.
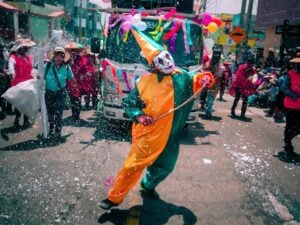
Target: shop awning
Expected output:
[7,6]
[46,11]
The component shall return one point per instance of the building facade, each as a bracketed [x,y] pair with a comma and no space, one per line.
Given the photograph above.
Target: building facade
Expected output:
[271,20]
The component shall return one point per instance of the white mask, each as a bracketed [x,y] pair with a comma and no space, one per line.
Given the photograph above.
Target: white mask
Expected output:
[164,62]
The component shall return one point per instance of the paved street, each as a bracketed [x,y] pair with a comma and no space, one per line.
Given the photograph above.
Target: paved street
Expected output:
[229,172]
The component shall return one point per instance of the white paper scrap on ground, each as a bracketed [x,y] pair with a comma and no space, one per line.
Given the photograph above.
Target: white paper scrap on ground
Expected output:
[207,161]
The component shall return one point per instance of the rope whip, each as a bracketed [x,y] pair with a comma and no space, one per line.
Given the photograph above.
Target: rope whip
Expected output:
[182,104]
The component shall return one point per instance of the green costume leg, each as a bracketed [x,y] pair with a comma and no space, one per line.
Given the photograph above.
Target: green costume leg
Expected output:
[163,166]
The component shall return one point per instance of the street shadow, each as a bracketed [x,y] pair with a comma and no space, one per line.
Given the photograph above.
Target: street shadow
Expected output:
[288,158]
[193,131]
[152,212]
[36,144]
[212,118]
[69,121]
[113,130]
[246,120]
[12,130]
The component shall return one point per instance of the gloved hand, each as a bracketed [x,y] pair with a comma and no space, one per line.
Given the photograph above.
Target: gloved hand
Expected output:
[205,80]
[294,96]
[145,120]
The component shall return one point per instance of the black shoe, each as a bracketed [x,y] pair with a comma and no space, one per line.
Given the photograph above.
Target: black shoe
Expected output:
[17,124]
[243,117]
[2,116]
[233,115]
[269,114]
[151,193]
[289,149]
[26,124]
[107,204]
[207,117]
[51,133]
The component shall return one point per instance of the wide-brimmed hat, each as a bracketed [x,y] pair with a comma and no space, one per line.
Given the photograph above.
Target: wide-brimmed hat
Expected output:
[227,62]
[73,46]
[21,42]
[57,50]
[296,59]
[87,51]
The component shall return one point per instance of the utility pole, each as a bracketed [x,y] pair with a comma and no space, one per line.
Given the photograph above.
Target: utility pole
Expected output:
[80,18]
[29,19]
[242,22]
[204,5]
[242,15]
[248,20]
[285,30]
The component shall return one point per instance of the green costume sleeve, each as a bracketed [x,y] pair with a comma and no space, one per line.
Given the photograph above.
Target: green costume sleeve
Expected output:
[133,105]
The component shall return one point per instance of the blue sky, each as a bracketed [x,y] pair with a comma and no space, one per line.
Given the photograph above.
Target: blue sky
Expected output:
[227,6]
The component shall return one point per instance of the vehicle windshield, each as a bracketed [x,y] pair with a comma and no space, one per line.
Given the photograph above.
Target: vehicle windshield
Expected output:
[129,51]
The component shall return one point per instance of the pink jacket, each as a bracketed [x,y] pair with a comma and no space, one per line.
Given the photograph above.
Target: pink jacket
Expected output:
[241,83]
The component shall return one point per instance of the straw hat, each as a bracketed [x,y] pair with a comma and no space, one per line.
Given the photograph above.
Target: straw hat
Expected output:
[56,50]
[87,51]
[21,42]
[296,59]
[73,46]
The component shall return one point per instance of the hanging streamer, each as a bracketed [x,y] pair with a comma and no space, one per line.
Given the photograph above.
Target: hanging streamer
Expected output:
[157,28]
[176,26]
[172,43]
[114,23]
[188,31]
[125,37]
[159,36]
[185,38]
[105,64]
[126,79]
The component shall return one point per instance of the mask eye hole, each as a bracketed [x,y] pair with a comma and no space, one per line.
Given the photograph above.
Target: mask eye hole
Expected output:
[160,61]
[168,56]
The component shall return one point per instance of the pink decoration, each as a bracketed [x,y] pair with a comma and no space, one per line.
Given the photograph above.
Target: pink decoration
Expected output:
[114,23]
[109,181]
[217,20]
[176,26]
[170,14]
[126,25]
[197,19]
[127,18]
[206,19]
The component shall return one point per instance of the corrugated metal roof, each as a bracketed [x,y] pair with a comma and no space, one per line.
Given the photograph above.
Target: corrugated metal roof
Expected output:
[57,14]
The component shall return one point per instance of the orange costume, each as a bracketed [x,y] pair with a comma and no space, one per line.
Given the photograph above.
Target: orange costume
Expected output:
[154,146]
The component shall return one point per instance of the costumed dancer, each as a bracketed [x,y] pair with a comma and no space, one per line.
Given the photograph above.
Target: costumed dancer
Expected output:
[155,142]
[291,88]
[224,75]
[73,86]
[89,80]
[242,86]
